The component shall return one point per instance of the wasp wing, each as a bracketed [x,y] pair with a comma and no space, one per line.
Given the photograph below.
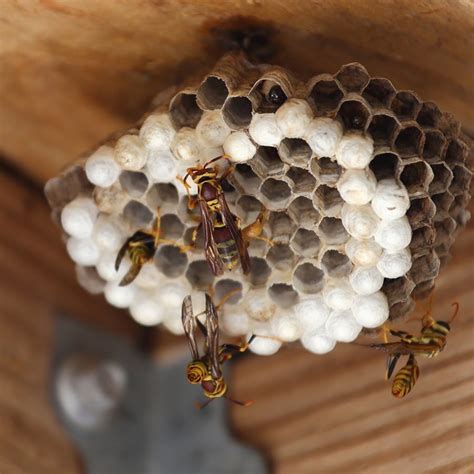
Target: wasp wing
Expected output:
[231,224]
[121,254]
[130,275]
[210,249]
[189,326]
[392,360]
[212,326]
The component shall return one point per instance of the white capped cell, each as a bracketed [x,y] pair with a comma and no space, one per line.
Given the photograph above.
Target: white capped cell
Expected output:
[101,168]
[83,251]
[265,346]
[366,280]
[264,130]
[338,293]
[108,233]
[371,310]
[394,235]
[106,267]
[357,187]
[239,147]
[212,129]
[235,321]
[185,146]
[161,166]
[355,151]
[258,305]
[360,222]
[312,312]
[78,217]
[323,136]
[318,343]
[363,252]
[342,326]
[293,117]
[174,324]
[145,310]
[391,200]
[130,153]
[395,264]
[171,294]
[286,327]
[149,277]
[119,296]
[157,132]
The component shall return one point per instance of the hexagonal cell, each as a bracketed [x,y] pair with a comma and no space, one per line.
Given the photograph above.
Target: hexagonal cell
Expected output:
[354,114]
[449,125]
[303,181]
[281,257]
[283,295]
[308,279]
[184,111]
[458,205]
[443,201]
[163,196]
[306,243]
[237,112]
[353,77]
[325,95]
[429,115]
[336,264]
[295,152]
[230,192]
[171,261]
[259,271]
[461,180]
[137,215]
[379,92]
[399,310]
[409,141]
[212,93]
[281,227]
[385,165]
[134,183]
[269,94]
[397,289]
[383,128]
[171,227]
[424,289]
[244,179]
[187,239]
[421,212]
[422,240]
[456,153]
[248,209]
[199,275]
[328,200]
[266,162]
[435,145]
[444,230]
[441,180]
[416,177]
[275,194]
[405,105]
[303,212]
[425,268]
[326,171]
[332,232]
[228,289]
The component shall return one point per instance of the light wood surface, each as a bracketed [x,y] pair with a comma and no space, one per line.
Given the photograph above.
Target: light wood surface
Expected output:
[74,71]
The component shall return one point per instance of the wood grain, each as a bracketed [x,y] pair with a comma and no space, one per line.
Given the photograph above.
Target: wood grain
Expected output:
[73,72]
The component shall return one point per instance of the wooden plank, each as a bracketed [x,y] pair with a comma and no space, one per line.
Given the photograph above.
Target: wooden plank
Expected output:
[73,72]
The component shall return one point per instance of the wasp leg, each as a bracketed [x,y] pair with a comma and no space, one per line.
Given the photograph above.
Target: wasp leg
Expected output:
[254,230]
[385,330]
[243,404]
[456,310]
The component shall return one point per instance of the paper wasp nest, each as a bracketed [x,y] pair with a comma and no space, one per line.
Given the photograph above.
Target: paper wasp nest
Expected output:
[366,189]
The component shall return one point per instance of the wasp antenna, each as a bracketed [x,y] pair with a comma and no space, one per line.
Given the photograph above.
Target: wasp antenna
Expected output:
[456,311]
[201,406]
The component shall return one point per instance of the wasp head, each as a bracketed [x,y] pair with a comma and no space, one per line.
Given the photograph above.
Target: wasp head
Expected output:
[196,371]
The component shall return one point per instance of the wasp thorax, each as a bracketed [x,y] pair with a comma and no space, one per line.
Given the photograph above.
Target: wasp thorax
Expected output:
[196,371]
[214,388]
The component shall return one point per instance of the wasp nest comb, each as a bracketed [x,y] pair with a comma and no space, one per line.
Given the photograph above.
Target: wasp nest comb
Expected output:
[366,188]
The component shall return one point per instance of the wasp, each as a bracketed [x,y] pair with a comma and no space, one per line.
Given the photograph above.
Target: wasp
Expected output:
[225,243]
[430,342]
[206,369]
[141,248]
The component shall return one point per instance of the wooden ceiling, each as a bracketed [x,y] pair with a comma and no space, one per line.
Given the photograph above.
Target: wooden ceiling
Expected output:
[74,71]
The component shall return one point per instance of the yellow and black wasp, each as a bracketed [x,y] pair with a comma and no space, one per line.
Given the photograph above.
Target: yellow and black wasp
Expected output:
[225,243]
[141,248]
[206,369]
[430,342]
